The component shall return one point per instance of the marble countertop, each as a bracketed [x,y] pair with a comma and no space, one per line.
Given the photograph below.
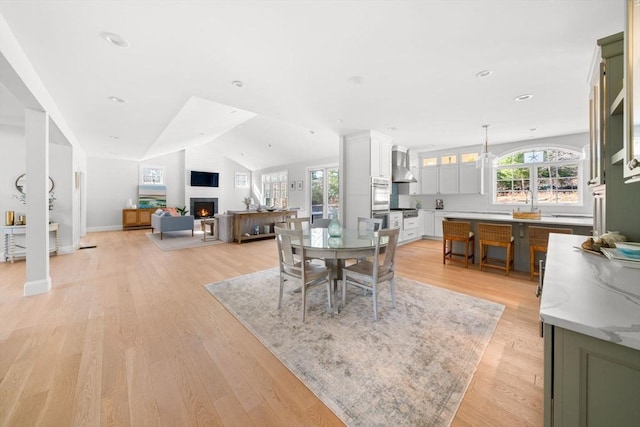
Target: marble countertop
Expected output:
[560,219]
[589,294]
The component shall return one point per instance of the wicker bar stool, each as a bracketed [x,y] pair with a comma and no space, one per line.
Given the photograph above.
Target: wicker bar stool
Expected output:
[496,235]
[457,231]
[538,241]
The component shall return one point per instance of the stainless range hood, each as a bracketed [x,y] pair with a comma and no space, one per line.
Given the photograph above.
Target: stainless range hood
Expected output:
[400,167]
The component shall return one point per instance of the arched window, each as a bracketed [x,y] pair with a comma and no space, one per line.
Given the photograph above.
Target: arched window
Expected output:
[548,176]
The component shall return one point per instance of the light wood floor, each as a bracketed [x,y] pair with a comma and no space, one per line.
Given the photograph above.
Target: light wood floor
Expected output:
[128,336]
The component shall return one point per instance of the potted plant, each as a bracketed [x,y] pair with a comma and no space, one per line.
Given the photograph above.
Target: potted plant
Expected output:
[182,211]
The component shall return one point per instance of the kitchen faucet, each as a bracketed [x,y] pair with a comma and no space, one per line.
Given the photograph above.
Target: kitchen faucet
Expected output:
[526,200]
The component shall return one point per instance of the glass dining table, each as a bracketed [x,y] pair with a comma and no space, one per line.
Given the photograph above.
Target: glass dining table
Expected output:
[352,244]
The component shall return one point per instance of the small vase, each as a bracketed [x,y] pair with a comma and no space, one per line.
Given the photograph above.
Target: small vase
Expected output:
[335,228]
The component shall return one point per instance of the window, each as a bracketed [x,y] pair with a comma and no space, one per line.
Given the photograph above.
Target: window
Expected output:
[550,175]
[468,157]
[242,180]
[449,159]
[274,189]
[430,161]
[325,191]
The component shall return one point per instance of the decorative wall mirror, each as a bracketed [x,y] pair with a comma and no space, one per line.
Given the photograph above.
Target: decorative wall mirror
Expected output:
[21,184]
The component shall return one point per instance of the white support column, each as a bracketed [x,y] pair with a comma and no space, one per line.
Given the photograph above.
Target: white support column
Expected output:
[37,190]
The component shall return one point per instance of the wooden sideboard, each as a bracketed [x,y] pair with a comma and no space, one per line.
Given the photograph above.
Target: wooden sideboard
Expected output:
[244,223]
[137,218]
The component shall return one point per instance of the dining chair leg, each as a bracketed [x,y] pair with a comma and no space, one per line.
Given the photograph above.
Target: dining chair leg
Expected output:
[375,302]
[508,259]
[281,290]
[444,251]
[304,302]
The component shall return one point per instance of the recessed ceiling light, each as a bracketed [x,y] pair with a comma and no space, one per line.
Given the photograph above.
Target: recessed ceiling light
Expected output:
[312,132]
[533,129]
[114,39]
[484,73]
[355,80]
[392,128]
[114,137]
[237,83]
[339,121]
[269,145]
[525,97]
[116,99]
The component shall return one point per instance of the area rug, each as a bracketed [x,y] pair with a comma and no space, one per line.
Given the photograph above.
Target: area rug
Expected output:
[175,240]
[411,367]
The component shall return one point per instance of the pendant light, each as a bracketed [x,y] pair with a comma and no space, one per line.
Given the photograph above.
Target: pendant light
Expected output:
[486,158]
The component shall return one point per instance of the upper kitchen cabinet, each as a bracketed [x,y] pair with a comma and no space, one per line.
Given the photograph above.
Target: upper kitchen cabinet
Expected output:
[469,175]
[380,155]
[631,140]
[450,173]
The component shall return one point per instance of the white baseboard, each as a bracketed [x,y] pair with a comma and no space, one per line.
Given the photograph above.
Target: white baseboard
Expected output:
[36,287]
[106,228]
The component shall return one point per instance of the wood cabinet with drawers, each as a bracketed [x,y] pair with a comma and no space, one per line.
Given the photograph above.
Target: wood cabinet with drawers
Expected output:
[137,218]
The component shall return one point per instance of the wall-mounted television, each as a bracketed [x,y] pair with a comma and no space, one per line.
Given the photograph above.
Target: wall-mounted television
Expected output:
[204,179]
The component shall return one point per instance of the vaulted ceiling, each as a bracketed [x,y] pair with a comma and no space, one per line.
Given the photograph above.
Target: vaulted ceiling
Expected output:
[306,72]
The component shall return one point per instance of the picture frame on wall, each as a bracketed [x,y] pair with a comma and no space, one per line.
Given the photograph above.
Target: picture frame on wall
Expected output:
[300,185]
[151,175]
[292,186]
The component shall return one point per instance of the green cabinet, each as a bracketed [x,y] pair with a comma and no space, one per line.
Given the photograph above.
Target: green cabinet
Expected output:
[588,381]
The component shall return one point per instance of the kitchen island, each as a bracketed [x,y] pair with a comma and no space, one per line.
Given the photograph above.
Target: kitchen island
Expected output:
[590,307]
[579,224]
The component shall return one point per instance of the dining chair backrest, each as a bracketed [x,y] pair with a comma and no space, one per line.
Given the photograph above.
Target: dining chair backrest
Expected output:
[302,223]
[369,224]
[388,261]
[286,238]
[321,223]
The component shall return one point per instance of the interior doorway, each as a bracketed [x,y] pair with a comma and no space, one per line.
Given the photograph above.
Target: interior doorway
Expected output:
[325,191]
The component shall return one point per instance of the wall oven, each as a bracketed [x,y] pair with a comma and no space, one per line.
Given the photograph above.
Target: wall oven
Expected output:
[380,194]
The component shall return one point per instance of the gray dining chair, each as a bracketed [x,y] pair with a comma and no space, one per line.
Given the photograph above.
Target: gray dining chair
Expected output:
[367,225]
[295,267]
[302,223]
[369,274]
[321,223]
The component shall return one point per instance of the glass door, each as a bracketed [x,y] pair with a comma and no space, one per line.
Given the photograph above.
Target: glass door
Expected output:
[325,191]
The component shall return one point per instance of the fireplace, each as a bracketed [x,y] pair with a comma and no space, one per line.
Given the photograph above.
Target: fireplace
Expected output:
[203,207]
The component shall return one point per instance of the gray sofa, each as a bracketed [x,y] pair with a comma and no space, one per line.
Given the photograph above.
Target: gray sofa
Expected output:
[167,222]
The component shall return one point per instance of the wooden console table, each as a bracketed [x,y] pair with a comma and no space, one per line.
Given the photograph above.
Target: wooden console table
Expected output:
[12,250]
[244,223]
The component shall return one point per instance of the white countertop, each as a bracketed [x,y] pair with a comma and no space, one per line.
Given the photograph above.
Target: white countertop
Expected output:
[590,294]
[507,217]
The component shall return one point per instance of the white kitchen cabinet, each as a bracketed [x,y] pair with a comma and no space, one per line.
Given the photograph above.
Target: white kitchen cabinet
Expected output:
[409,229]
[365,154]
[395,220]
[429,179]
[437,224]
[427,222]
[380,157]
[448,179]
[470,178]
[439,179]
[414,187]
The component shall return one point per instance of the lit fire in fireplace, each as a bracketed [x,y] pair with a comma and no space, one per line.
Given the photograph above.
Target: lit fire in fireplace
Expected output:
[203,213]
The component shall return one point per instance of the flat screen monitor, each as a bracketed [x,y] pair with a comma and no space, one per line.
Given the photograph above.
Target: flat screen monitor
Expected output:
[204,179]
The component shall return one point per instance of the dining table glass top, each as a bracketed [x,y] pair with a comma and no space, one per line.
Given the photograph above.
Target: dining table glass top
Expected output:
[318,238]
